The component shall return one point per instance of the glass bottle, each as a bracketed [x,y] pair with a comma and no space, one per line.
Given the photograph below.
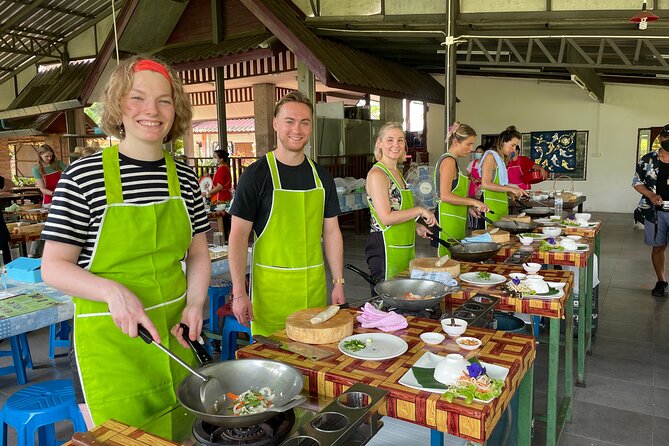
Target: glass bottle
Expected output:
[558,204]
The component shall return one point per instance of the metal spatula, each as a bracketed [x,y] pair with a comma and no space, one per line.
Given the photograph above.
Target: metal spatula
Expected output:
[212,394]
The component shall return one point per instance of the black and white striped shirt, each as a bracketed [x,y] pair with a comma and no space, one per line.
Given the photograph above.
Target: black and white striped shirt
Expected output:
[79,199]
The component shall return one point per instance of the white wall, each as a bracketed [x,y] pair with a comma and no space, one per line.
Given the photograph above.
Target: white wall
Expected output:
[490,105]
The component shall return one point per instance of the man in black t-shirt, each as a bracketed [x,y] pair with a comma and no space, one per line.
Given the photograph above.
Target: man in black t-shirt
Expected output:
[289,202]
[651,180]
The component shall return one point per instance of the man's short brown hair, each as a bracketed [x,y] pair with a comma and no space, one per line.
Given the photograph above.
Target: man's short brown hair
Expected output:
[293,96]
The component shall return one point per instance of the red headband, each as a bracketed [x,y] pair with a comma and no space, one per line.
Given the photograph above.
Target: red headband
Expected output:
[152,65]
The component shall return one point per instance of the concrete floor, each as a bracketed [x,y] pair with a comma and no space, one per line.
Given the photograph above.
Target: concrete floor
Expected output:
[626,401]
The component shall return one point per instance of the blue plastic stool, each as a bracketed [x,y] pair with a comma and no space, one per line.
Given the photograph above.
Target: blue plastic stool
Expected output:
[217,295]
[37,408]
[20,352]
[229,337]
[59,336]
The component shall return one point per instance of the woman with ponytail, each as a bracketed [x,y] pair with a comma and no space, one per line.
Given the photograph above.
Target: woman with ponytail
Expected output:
[453,185]
[494,176]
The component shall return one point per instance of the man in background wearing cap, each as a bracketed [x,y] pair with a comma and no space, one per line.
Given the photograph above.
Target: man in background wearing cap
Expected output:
[652,181]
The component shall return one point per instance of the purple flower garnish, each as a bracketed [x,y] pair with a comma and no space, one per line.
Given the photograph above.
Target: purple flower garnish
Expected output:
[475,370]
[551,240]
[515,281]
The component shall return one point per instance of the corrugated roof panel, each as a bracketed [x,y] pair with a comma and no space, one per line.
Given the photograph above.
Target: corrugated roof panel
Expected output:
[348,67]
[50,85]
[239,125]
[208,50]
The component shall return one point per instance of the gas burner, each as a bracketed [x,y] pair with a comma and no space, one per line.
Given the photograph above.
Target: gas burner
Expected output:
[427,313]
[269,433]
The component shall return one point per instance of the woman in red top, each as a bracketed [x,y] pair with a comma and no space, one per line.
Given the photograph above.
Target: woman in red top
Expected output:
[518,166]
[222,178]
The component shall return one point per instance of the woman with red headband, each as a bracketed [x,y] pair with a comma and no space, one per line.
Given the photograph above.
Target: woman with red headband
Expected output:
[122,222]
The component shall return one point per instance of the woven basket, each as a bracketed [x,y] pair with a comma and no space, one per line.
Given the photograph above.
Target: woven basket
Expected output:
[567,195]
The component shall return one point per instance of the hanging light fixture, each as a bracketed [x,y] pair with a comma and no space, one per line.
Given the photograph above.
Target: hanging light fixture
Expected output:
[644,17]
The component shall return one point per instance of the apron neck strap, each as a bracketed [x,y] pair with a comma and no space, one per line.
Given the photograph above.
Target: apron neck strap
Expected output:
[274,171]
[390,175]
[112,175]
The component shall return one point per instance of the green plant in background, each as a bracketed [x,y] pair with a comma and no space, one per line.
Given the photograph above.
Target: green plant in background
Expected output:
[95,112]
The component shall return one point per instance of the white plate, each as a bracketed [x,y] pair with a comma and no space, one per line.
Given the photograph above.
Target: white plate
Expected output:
[383,346]
[557,285]
[475,280]
[537,236]
[546,222]
[429,361]
[206,184]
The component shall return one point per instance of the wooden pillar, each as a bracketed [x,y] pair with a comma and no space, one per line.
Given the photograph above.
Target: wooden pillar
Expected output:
[75,123]
[188,142]
[218,35]
[391,109]
[263,113]
[306,83]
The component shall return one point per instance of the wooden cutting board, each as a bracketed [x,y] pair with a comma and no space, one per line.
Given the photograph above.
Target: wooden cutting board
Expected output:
[525,219]
[300,329]
[427,264]
[500,236]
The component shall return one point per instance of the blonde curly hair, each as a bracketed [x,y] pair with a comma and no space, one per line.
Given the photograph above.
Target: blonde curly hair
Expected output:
[120,83]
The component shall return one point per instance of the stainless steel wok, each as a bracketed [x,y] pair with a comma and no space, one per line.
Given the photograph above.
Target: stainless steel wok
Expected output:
[515,227]
[475,252]
[393,291]
[237,377]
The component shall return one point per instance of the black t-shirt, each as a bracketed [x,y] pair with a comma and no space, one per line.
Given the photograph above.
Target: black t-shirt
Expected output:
[253,196]
[662,186]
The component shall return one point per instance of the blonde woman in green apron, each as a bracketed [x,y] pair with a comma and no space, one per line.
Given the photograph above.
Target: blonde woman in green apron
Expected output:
[391,244]
[494,176]
[453,185]
[290,203]
[122,223]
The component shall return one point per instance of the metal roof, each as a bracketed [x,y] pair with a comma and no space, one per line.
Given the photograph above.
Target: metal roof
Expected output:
[208,50]
[339,66]
[36,29]
[240,125]
[54,88]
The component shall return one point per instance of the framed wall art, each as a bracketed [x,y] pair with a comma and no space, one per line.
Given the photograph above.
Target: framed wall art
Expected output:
[560,152]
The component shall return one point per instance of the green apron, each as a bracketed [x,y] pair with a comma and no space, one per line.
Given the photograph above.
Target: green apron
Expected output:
[496,201]
[452,217]
[140,246]
[288,272]
[399,240]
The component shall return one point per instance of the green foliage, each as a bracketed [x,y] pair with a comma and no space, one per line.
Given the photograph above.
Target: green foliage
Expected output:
[95,112]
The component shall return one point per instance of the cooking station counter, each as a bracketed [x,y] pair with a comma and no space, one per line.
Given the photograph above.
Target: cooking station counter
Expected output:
[332,376]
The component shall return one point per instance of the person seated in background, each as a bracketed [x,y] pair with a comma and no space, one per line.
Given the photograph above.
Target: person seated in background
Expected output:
[519,166]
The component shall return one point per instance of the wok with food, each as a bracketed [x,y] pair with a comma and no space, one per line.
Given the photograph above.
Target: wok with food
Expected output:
[407,294]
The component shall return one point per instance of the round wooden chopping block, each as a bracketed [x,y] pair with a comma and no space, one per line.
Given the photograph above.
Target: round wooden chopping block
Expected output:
[428,264]
[500,236]
[300,329]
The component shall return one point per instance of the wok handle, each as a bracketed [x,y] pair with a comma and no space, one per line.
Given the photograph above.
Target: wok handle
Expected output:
[422,221]
[146,337]
[487,220]
[361,273]
[200,353]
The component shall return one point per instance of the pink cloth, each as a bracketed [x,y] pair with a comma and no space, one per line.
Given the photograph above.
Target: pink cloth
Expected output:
[384,321]
[475,182]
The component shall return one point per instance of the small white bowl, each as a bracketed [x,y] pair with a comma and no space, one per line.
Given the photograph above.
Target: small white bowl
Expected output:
[519,276]
[432,338]
[583,216]
[467,343]
[454,330]
[537,283]
[575,237]
[531,268]
[551,231]
[525,241]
